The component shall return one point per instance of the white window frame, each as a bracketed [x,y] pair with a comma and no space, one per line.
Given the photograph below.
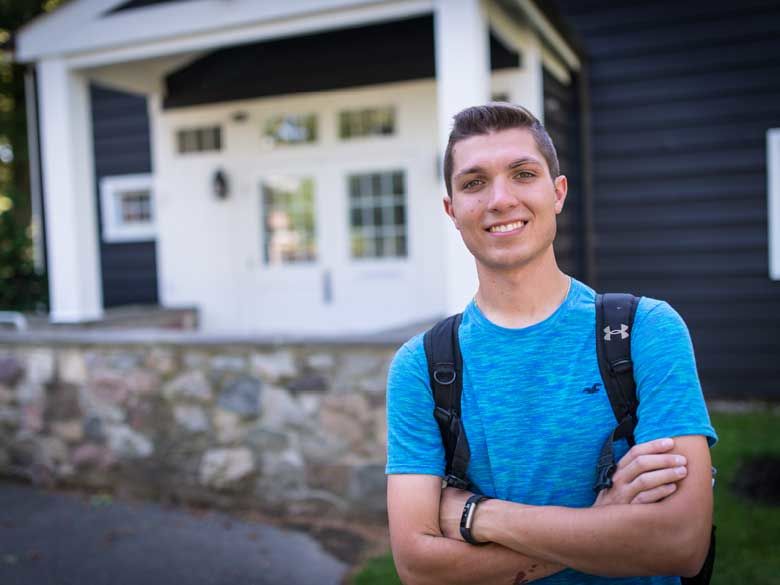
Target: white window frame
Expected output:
[111,189]
[390,259]
[773,200]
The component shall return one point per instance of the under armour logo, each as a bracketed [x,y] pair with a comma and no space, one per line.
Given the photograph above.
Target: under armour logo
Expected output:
[608,333]
[593,389]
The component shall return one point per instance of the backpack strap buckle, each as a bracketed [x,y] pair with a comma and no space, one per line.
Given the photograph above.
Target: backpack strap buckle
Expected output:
[456,482]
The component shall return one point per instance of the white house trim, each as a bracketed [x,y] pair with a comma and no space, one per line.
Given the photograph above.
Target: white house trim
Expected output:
[555,67]
[517,36]
[66,145]
[540,22]
[111,190]
[206,24]
[773,203]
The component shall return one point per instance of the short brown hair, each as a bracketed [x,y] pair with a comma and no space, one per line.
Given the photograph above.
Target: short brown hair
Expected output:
[493,117]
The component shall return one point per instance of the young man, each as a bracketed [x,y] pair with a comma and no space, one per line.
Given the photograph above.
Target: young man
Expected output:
[533,405]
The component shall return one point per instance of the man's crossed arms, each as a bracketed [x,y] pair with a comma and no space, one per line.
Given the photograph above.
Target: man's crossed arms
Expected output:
[654,520]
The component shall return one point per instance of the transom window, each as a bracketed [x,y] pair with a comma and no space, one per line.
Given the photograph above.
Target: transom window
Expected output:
[377,214]
[367,122]
[199,139]
[292,129]
[288,217]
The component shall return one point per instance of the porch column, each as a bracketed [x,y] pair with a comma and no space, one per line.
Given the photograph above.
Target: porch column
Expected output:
[462,80]
[69,194]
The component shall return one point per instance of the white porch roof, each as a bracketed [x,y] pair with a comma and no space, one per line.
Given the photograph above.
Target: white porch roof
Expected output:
[88,34]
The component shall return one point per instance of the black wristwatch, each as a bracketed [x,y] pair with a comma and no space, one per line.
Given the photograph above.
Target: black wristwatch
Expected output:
[468,517]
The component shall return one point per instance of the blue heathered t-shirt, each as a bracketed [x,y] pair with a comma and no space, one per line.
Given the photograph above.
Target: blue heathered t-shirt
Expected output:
[534,423]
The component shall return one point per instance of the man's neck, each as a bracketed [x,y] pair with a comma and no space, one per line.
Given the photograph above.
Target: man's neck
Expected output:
[522,296]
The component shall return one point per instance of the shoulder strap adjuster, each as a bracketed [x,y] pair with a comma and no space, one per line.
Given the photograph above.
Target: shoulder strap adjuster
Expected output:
[621,366]
[442,415]
[604,477]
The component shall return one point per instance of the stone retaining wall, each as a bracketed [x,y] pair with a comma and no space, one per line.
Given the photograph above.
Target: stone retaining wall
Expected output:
[295,429]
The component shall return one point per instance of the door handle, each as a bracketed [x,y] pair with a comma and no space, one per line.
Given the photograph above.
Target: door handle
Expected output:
[327,287]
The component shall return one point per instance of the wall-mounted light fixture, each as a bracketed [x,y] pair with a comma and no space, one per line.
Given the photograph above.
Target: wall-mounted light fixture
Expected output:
[219,184]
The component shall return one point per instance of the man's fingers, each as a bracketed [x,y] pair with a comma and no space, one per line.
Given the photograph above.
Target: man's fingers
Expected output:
[653,479]
[649,448]
[655,495]
[647,463]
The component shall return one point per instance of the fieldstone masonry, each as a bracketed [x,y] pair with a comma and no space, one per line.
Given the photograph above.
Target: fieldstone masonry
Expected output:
[296,429]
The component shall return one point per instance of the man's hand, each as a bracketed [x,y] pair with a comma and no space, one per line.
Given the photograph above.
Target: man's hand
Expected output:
[647,473]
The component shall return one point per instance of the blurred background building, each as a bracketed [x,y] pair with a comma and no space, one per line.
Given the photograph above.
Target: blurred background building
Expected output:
[277,164]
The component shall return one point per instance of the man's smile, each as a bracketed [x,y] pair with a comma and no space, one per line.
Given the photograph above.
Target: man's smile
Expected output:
[502,228]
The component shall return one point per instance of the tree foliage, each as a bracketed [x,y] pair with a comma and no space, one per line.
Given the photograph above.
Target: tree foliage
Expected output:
[21,286]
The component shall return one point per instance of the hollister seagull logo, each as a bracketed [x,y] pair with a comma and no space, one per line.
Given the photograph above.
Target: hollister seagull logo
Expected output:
[592,389]
[623,331]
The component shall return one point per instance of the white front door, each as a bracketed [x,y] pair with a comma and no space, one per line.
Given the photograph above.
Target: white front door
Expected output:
[331,247]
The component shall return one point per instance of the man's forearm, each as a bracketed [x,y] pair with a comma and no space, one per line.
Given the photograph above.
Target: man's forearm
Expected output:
[434,560]
[620,540]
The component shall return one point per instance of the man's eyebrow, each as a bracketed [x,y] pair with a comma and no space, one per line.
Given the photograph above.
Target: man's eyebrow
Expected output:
[523,161]
[468,171]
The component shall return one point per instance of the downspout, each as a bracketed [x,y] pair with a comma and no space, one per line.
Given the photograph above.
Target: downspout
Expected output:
[36,185]
[588,230]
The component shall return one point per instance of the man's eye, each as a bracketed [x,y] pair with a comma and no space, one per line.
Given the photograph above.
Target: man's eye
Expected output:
[524,175]
[471,184]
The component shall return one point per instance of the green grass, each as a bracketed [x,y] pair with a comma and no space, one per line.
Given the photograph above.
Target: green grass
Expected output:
[378,571]
[748,544]
[748,549]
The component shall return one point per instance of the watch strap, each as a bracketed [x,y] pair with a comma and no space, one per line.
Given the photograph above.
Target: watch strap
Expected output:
[467,518]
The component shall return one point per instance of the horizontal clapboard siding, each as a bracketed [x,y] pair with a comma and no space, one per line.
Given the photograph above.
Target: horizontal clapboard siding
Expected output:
[561,119]
[120,127]
[682,94]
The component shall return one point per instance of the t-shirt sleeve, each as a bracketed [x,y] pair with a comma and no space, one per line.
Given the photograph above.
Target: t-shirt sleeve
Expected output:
[413,439]
[670,396]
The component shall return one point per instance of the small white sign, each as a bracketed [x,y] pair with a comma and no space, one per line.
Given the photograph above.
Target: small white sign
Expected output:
[773,203]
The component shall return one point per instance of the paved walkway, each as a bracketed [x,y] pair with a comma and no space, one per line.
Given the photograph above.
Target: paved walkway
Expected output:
[50,538]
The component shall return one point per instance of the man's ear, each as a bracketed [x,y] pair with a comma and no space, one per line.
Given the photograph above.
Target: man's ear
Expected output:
[561,189]
[448,210]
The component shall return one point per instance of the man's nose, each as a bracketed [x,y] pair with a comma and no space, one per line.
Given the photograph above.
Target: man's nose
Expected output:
[502,196]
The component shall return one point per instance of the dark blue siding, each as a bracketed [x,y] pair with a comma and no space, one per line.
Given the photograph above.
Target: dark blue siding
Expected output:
[562,121]
[682,94]
[120,127]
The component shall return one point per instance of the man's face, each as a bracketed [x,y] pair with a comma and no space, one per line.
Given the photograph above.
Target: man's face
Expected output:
[504,201]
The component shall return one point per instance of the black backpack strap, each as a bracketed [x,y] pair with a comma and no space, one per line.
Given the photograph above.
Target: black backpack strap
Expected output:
[614,323]
[445,369]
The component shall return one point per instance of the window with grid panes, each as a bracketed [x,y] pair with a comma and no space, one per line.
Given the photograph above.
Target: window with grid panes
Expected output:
[199,139]
[377,215]
[367,122]
[135,207]
[288,217]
